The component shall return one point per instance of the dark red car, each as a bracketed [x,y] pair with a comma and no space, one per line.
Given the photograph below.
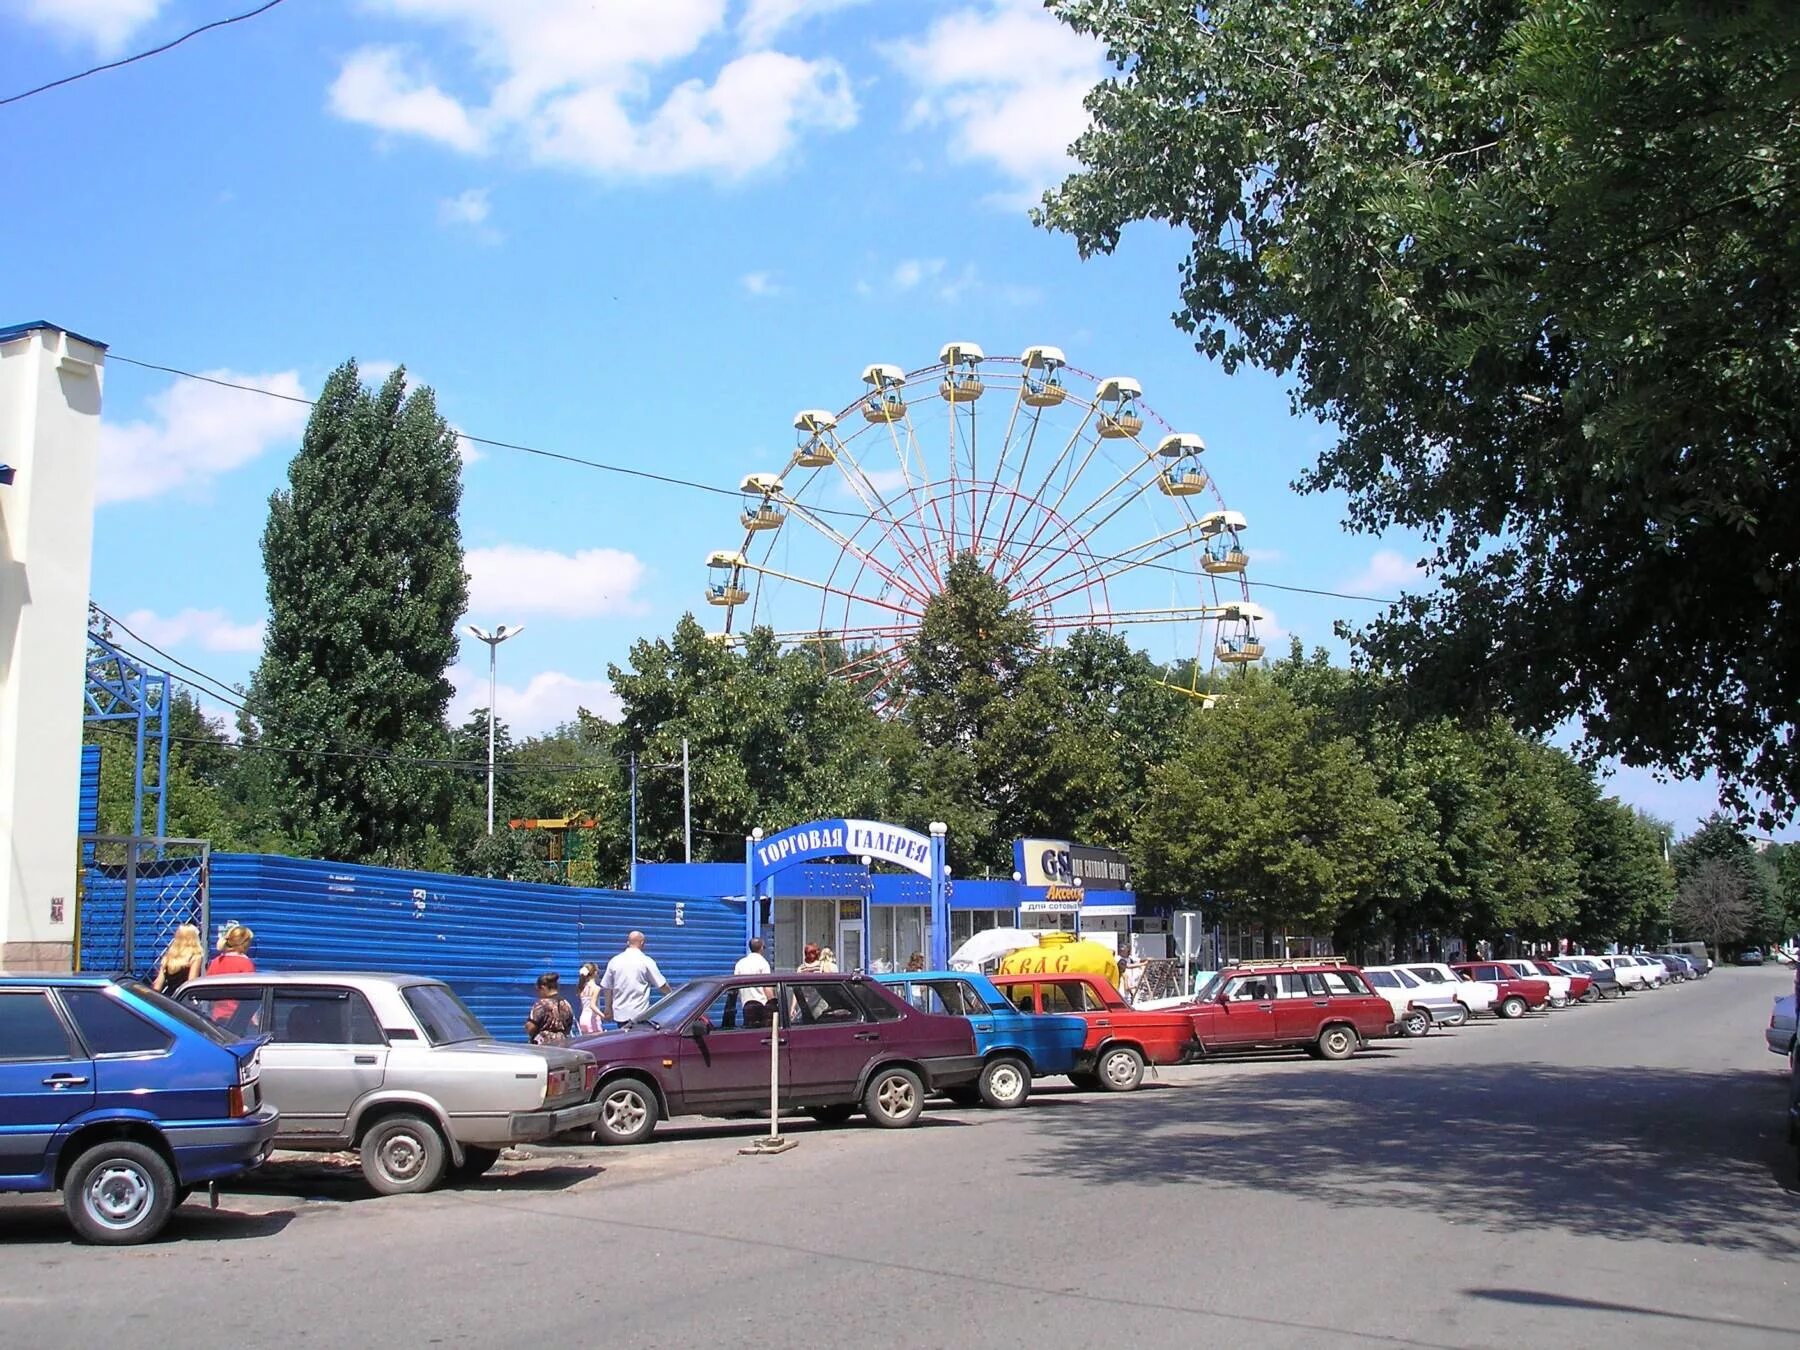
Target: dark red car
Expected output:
[1121,1039]
[846,1043]
[1516,995]
[1581,987]
[1324,1008]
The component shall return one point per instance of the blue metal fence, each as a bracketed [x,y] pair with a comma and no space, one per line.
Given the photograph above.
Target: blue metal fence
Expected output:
[90,789]
[487,939]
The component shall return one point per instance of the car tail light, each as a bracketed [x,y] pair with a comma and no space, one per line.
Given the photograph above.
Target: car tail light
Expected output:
[556,1082]
[235,1107]
[249,1070]
[590,1078]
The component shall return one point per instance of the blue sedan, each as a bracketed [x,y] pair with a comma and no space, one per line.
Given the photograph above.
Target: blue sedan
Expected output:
[1015,1046]
[121,1099]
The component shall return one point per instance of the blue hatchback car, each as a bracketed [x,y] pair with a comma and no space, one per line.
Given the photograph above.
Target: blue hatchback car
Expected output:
[121,1099]
[1014,1046]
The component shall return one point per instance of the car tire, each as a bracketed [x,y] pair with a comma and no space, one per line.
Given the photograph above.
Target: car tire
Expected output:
[1590,994]
[1416,1022]
[1511,1007]
[1005,1083]
[1458,1018]
[628,1112]
[403,1155]
[894,1097]
[118,1193]
[838,1113]
[1119,1069]
[476,1163]
[1084,1082]
[1336,1043]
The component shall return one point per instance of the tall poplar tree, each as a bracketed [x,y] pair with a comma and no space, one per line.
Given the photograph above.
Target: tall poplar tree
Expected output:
[364,560]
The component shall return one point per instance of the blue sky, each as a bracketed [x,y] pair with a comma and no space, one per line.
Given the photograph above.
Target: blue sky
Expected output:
[645,232]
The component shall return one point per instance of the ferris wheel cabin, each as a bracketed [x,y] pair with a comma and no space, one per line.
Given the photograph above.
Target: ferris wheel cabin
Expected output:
[886,399]
[814,445]
[761,511]
[1238,643]
[1180,479]
[1042,386]
[962,381]
[1117,401]
[1224,553]
[725,585]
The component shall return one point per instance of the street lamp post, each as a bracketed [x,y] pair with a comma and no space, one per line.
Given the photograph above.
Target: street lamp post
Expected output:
[493,640]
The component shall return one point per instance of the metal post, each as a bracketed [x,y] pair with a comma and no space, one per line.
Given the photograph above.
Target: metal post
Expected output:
[634,851]
[493,669]
[126,938]
[775,1071]
[162,764]
[687,807]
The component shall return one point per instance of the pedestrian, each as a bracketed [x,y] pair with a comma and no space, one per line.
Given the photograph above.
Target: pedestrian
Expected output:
[551,1018]
[811,963]
[182,960]
[916,961]
[827,962]
[587,995]
[630,977]
[755,998]
[234,952]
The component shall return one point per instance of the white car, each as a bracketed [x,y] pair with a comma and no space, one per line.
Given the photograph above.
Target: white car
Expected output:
[1656,970]
[1478,996]
[1418,1006]
[1631,974]
[1779,1034]
[1560,985]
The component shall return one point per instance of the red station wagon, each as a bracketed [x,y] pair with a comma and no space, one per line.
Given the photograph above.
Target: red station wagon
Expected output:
[1121,1039]
[1327,1009]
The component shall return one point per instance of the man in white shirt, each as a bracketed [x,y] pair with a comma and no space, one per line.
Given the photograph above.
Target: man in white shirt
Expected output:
[629,978]
[754,963]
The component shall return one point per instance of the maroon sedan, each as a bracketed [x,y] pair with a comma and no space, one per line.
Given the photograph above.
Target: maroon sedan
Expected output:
[847,1043]
[1516,995]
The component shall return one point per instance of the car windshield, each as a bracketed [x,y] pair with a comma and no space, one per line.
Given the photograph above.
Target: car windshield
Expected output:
[679,1005]
[445,1017]
[1210,989]
[183,1014]
[1428,974]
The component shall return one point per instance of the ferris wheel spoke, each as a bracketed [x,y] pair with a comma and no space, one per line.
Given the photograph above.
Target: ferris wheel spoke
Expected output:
[1054,512]
[1012,421]
[1116,566]
[1126,617]
[841,592]
[947,533]
[1037,495]
[849,545]
[881,509]
[1012,499]
[1188,525]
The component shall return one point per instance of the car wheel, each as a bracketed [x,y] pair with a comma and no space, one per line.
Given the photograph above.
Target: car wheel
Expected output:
[838,1113]
[119,1193]
[1512,1006]
[403,1155]
[1336,1043]
[476,1163]
[1120,1069]
[1589,994]
[1085,1082]
[627,1112]
[1005,1082]
[894,1098]
[1458,1018]
[1416,1022]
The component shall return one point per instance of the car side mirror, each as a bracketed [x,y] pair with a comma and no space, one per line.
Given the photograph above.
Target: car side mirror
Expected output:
[697,1028]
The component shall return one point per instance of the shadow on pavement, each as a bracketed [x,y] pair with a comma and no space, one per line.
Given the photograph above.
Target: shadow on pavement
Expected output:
[1532,1298]
[192,1222]
[1624,1153]
[338,1177]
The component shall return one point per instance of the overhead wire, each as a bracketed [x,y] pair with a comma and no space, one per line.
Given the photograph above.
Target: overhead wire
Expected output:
[139,56]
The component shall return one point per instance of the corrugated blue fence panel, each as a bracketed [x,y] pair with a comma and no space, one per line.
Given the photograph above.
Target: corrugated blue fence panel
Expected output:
[90,789]
[167,893]
[488,939]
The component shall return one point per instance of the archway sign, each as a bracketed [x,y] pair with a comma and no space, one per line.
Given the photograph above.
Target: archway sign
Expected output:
[849,838]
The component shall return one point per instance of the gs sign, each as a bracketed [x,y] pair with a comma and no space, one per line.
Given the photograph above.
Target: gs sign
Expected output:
[1045,862]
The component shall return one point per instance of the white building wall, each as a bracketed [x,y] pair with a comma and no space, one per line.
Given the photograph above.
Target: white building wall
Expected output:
[50,387]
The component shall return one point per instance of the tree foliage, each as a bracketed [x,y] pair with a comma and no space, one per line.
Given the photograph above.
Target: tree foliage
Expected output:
[364,560]
[1535,260]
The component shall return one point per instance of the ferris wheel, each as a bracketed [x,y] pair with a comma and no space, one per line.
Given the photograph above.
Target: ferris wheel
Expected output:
[1044,473]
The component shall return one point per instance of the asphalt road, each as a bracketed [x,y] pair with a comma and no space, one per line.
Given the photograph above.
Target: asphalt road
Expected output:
[1610,1175]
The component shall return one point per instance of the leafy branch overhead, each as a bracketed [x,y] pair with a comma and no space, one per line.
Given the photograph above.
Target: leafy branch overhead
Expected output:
[1535,260]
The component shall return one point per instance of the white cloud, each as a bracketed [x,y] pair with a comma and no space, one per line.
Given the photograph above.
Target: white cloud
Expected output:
[1009,81]
[209,629]
[569,82]
[760,284]
[1385,575]
[197,432]
[548,699]
[765,20]
[103,24]
[909,272]
[374,88]
[469,207]
[510,579]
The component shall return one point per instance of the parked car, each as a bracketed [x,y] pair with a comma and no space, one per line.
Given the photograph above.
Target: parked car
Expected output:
[1121,1039]
[1561,990]
[1416,1005]
[397,1068]
[1605,979]
[1581,985]
[1014,1046]
[1657,972]
[847,1043]
[122,1100]
[1677,966]
[1750,956]
[1694,951]
[1629,973]
[1328,1010]
[1517,994]
[1478,996]
[1696,970]
[1779,1034]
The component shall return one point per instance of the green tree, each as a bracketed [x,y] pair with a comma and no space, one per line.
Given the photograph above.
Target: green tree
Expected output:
[1718,837]
[364,560]
[1280,824]
[1534,261]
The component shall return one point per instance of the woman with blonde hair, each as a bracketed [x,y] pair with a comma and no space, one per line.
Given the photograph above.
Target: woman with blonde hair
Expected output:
[587,994]
[182,960]
[234,952]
